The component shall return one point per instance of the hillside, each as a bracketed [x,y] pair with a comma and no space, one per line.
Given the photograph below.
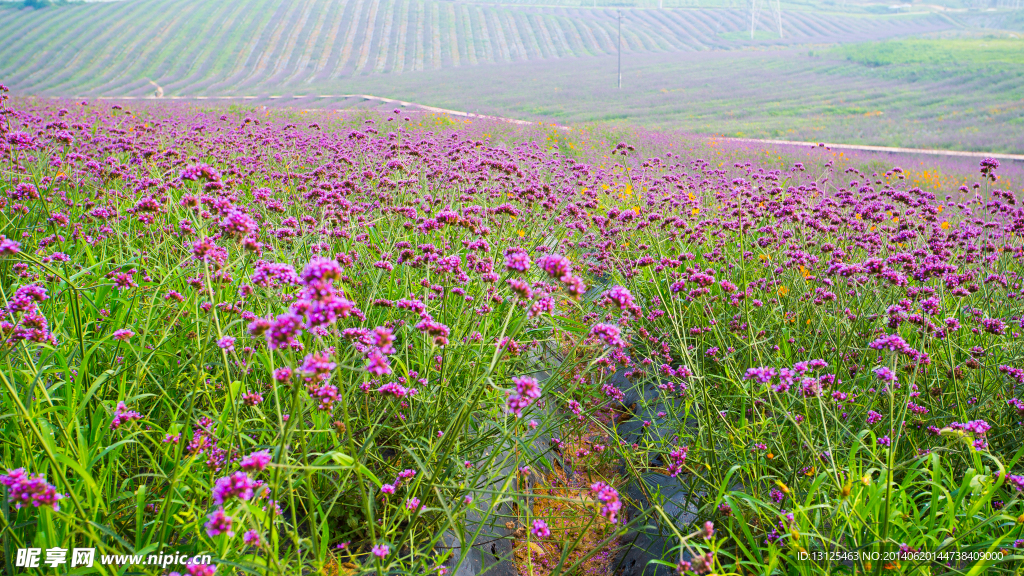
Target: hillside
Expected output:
[193,47]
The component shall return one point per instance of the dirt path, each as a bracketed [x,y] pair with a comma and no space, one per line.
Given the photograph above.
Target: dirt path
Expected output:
[424,108]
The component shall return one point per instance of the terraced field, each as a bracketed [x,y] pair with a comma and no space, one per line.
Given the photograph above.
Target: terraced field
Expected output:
[196,47]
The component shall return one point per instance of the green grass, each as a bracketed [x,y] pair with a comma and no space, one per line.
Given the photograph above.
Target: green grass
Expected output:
[1002,52]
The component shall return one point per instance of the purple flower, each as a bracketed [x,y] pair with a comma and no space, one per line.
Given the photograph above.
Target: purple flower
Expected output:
[256,461]
[377,364]
[1014,480]
[252,398]
[227,343]
[978,428]
[387,488]
[762,375]
[437,330]
[122,414]
[238,224]
[324,394]
[609,334]
[252,538]
[26,298]
[197,570]
[517,260]
[412,504]
[384,339]
[574,285]
[884,374]
[381,550]
[318,366]
[237,485]
[521,288]
[540,529]
[218,523]
[26,489]
[283,375]
[609,497]
[8,246]
[123,334]
[320,270]
[284,331]
[994,326]
[527,390]
[556,266]
[678,460]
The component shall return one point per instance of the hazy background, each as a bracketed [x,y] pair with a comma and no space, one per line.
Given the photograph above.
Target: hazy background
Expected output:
[946,74]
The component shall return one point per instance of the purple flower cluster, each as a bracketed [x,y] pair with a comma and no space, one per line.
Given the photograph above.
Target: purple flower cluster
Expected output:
[677,459]
[122,414]
[25,489]
[237,485]
[527,390]
[26,321]
[609,499]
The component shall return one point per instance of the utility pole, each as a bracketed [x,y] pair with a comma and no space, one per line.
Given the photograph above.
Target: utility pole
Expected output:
[620,49]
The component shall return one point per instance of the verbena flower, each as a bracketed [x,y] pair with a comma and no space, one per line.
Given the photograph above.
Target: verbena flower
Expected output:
[218,522]
[25,489]
[540,529]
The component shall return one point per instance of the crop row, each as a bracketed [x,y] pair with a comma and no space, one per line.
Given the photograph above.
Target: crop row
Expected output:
[190,47]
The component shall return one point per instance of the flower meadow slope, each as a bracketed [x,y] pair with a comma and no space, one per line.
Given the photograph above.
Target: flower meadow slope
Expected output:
[313,342]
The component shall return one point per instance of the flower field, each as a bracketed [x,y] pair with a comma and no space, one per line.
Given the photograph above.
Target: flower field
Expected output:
[372,343]
[192,47]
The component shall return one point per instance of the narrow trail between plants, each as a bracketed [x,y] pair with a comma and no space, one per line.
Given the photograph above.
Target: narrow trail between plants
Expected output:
[463,114]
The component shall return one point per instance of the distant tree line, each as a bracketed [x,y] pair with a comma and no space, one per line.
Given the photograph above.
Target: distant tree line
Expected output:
[35,4]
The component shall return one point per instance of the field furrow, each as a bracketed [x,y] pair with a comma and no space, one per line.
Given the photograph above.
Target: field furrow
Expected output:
[367,39]
[288,15]
[665,36]
[526,32]
[283,59]
[451,35]
[484,49]
[496,31]
[403,35]
[548,47]
[449,38]
[77,73]
[239,48]
[231,54]
[71,57]
[516,44]
[354,25]
[313,44]
[692,31]
[420,53]
[126,77]
[322,56]
[376,39]
[219,17]
[435,36]
[248,54]
[30,43]
[382,54]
